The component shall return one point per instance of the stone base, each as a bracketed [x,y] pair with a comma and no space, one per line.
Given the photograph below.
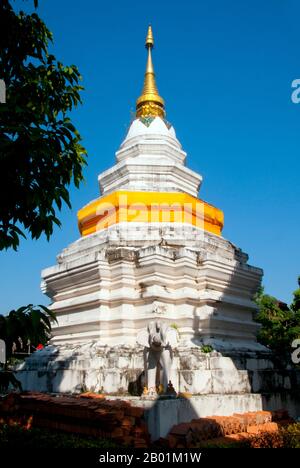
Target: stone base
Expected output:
[165,414]
[162,415]
[120,370]
[213,384]
[226,384]
[75,368]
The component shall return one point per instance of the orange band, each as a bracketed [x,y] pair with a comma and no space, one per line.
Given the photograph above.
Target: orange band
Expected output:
[149,207]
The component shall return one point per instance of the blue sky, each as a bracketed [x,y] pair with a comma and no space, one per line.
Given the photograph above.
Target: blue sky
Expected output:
[225,70]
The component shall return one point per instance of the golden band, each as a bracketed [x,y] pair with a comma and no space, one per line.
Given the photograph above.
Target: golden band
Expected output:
[149,207]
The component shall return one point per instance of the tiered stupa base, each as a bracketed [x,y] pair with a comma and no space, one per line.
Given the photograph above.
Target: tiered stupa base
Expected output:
[111,284]
[207,384]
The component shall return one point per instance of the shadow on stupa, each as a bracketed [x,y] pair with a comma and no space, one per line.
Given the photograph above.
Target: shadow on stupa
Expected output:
[244,367]
[225,371]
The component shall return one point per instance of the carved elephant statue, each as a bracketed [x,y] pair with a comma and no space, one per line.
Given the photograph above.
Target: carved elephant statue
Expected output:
[158,340]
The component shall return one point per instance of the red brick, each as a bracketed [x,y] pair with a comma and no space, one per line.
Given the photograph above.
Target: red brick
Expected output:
[138,430]
[172,440]
[267,427]
[134,411]
[117,432]
[96,396]
[180,429]
[128,421]
[263,417]
[140,443]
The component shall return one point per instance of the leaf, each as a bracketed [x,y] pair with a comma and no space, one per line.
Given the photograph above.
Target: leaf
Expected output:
[48,312]
[39,151]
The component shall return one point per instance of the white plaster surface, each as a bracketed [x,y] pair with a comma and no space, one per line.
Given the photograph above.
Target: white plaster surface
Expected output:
[106,287]
[150,159]
[109,285]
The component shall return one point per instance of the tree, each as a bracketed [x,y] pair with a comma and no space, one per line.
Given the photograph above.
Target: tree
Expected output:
[23,330]
[26,326]
[280,323]
[40,150]
[295,306]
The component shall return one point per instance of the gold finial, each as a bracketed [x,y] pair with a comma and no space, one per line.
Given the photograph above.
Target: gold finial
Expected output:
[149,38]
[150,104]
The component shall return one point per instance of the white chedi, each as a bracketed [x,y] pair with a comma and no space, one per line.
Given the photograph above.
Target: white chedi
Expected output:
[150,159]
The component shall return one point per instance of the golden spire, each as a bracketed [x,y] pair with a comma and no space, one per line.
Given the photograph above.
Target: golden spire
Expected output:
[150,104]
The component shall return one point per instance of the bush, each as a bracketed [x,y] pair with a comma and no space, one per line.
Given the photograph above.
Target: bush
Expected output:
[280,323]
[231,444]
[291,436]
[12,437]
[286,437]
[206,349]
[266,440]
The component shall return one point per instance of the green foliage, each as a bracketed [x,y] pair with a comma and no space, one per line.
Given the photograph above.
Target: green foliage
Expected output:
[295,306]
[291,436]
[8,379]
[280,323]
[40,150]
[207,349]
[16,436]
[26,324]
[230,444]
[286,437]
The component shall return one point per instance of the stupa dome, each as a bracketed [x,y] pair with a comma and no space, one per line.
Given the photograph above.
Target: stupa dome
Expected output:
[150,128]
